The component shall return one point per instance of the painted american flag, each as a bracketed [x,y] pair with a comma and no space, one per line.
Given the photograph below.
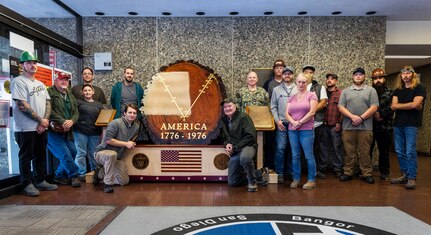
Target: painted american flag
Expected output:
[181,160]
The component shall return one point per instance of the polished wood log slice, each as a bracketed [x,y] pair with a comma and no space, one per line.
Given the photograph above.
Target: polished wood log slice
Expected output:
[199,123]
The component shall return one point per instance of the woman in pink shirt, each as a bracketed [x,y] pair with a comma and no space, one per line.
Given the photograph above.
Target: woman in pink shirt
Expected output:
[300,111]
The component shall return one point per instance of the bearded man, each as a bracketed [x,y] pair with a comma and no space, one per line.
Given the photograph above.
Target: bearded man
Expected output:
[382,121]
[357,104]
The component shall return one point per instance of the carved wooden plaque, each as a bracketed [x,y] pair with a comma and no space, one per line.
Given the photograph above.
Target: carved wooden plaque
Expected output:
[182,104]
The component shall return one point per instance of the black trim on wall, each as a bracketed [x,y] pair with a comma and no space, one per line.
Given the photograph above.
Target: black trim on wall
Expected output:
[29,27]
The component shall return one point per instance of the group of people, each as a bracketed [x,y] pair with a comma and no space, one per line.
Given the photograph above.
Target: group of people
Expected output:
[332,129]
[62,120]
[328,127]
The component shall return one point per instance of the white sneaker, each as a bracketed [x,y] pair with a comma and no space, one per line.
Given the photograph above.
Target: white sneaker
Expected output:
[31,191]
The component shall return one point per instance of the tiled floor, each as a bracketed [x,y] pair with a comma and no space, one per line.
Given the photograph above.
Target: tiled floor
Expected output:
[37,219]
[329,192]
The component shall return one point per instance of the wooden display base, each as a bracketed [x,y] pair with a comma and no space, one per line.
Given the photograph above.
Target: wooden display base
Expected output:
[177,163]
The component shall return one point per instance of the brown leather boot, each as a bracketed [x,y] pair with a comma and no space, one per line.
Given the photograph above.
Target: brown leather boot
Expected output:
[309,185]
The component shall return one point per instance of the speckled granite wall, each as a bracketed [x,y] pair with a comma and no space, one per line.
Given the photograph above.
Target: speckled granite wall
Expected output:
[233,45]
[65,27]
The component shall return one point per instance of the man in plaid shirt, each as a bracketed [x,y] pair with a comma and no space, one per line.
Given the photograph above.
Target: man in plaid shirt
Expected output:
[332,144]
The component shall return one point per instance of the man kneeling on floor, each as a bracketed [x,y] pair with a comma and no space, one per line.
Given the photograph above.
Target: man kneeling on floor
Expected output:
[120,135]
[239,140]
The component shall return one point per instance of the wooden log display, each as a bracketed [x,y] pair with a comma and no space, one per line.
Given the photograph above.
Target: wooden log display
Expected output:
[182,104]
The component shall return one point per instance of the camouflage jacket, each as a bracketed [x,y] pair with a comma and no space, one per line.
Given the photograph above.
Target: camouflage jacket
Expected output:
[246,97]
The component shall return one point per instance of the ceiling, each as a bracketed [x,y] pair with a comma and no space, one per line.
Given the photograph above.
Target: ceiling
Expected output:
[394,10]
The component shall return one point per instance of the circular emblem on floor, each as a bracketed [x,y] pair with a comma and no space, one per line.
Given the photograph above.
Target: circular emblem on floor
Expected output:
[140,161]
[252,224]
[221,161]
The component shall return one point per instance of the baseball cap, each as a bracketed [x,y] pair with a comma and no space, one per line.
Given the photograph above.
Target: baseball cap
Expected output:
[308,67]
[288,69]
[228,99]
[333,75]
[359,70]
[62,75]
[279,62]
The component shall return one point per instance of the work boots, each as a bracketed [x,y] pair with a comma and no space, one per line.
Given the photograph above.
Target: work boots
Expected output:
[400,180]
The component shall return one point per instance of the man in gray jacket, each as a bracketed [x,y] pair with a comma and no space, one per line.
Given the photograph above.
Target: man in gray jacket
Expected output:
[279,98]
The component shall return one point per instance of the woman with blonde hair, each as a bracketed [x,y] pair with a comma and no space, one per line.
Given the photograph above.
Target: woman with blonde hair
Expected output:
[300,111]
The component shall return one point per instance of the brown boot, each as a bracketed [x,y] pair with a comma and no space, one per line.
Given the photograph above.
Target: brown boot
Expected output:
[294,184]
[400,180]
[411,184]
[309,185]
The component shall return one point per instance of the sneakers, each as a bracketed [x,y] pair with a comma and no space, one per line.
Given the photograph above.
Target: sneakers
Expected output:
[95,178]
[76,182]
[309,185]
[82,178]
[411,184]
[345,177]
[31,191]
[384,176]
[109,189]
[400,180]
[368,179]
[252,187]
[265,176]
[45,186]
[294,184]
[338,172]
[280,179]
[320,175]
[62,181]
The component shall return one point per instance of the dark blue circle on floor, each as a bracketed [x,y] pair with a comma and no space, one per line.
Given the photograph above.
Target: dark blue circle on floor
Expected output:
[269,224]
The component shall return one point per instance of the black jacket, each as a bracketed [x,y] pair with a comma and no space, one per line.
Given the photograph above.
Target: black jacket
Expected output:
[242,132]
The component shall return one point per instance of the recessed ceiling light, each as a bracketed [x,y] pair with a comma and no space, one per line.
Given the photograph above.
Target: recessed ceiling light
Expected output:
[99,13]
[301,13]
[200,13]
[166,13]
[233,13]
[371,13]
[132,13]
[336,13]
[268,13]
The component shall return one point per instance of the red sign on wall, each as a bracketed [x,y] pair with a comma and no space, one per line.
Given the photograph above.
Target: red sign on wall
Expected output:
[53,59]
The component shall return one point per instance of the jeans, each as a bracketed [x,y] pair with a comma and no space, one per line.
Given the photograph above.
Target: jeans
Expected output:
[241,168]
[331,146]
[383,138]
[302,139]
[32,151]
[85,146]
[64,150]
[405,147]
[282,150]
